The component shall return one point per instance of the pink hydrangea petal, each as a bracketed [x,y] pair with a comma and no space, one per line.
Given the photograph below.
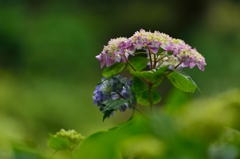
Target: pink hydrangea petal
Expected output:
[101,58]
[109,61]
[192,64]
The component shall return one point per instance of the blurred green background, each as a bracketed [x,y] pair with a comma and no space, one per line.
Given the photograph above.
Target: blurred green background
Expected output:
[48,69]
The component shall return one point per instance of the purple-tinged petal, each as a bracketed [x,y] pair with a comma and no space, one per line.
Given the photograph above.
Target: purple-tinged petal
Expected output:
[99,57]
[118,58]
[109,61]
[124,59]
[154,50]
[201,65]
[130,46]
[169,47]
[102,60]
[192,64]
[154,46]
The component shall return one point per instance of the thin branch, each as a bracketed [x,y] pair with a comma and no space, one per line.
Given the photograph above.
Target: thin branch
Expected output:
[138,109]
[129,63]
[168,73]
[150,58]
[133,67]
[131,104]
[155,61]
[161,58]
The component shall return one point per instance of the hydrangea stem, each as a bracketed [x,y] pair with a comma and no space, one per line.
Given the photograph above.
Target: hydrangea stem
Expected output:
[167,73]
[134,107]
[161,58]
[155,61]
[150,85]
[150,58]
[129,63]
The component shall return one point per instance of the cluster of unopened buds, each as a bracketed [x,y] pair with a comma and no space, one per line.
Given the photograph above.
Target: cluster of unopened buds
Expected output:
[165,50]
[72,135]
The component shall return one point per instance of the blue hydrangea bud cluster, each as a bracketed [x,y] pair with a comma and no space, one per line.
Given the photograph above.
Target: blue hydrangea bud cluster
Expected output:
[117,87]
[169,51]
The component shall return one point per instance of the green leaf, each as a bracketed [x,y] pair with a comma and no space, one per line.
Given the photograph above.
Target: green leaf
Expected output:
[158,82]
[24,152]
[58,143]
[111,105]
[182,82]
[144,74]
[143,97]
[107,113]
[142,92]
[157,76]
[113,69]
[138,63]
[114,104]
[158,73]
[108,145]
[140,52]
[152,75]
[100,145]
[138,85]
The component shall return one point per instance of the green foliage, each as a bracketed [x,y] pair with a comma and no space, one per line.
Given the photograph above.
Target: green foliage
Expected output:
[113,69]
[143,97]
[58,143]
[182,82]
[111,105]
[138,85]
[98,145]
[142,92]
[108,144]
[138,63]
[144,74]
[175,100]
[158,81]
[191,132]
[158,74]
[24,152]
[153,76]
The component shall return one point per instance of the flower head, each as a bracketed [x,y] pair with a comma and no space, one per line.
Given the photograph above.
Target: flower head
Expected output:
[173,51]
[117,87]
[117,50]
[178,53]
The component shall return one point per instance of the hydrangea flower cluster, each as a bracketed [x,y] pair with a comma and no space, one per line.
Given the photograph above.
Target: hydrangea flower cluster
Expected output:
[117,50]
[117,87]
[169,51]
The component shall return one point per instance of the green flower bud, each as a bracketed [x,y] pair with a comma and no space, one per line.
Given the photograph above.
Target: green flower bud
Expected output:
[68,140]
